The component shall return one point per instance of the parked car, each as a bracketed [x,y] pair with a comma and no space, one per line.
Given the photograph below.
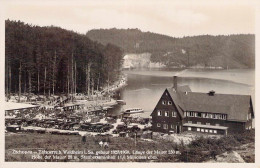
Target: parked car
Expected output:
[98,128]
[106,128]
[85,127]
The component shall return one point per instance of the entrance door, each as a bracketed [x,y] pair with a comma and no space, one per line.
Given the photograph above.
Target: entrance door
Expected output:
[178,129]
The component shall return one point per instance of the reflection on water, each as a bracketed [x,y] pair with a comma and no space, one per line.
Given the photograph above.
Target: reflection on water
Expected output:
[146,87]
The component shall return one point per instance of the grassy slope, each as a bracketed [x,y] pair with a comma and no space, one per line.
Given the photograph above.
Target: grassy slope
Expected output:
[199,150]
[63,142]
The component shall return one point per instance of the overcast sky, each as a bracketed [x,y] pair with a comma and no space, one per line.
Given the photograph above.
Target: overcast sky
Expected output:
[164,17]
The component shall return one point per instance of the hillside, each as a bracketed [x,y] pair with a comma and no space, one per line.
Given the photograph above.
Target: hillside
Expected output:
[52,59]
[232,51]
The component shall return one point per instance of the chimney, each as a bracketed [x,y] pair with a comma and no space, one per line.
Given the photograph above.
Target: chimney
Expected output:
[211,93]
[175,82]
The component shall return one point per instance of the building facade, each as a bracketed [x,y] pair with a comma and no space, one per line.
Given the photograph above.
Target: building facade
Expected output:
[180,110]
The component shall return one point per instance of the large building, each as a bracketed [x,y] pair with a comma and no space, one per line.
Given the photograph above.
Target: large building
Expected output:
[180,110]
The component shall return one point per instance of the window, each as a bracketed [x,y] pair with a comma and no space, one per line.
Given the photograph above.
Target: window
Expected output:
[220,116]
[174,113]
[198,122]
[189,128]
[169,103]
[190,122]
[172,126]
[185,114]
[210,131]
[214,116]
[202,130]
[158,125]
[217,124]
[159,113]
[199,114]
[166,113]
[164,102]
[198,129]
[207,123]
[215,131]
[206,130]
[165,126]
[196,114]
[188,114]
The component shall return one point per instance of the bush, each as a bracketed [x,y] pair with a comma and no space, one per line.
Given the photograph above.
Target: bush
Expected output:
[203,149]
[245,137]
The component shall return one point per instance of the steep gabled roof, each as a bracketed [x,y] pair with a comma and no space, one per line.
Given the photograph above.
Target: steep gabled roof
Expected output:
[235,106]
[184,88]
[176,98]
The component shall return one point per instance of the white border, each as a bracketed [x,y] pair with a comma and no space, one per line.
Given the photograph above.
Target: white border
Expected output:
[128,164]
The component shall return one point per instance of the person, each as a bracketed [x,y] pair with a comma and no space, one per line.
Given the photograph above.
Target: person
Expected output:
[84,139]
[105,145]
[101,143]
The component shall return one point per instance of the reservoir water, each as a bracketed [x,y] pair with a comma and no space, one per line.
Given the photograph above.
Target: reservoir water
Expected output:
[145,87]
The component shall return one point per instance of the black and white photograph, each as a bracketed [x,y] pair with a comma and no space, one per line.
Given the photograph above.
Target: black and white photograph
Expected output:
[129,81]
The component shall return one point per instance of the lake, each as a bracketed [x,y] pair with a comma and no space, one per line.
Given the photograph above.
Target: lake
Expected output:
[145,87]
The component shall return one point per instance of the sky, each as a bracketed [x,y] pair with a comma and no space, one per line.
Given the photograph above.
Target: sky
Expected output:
[173,18]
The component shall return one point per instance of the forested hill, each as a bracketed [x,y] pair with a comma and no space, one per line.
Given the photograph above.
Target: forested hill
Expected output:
[232,51]
[51,59]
